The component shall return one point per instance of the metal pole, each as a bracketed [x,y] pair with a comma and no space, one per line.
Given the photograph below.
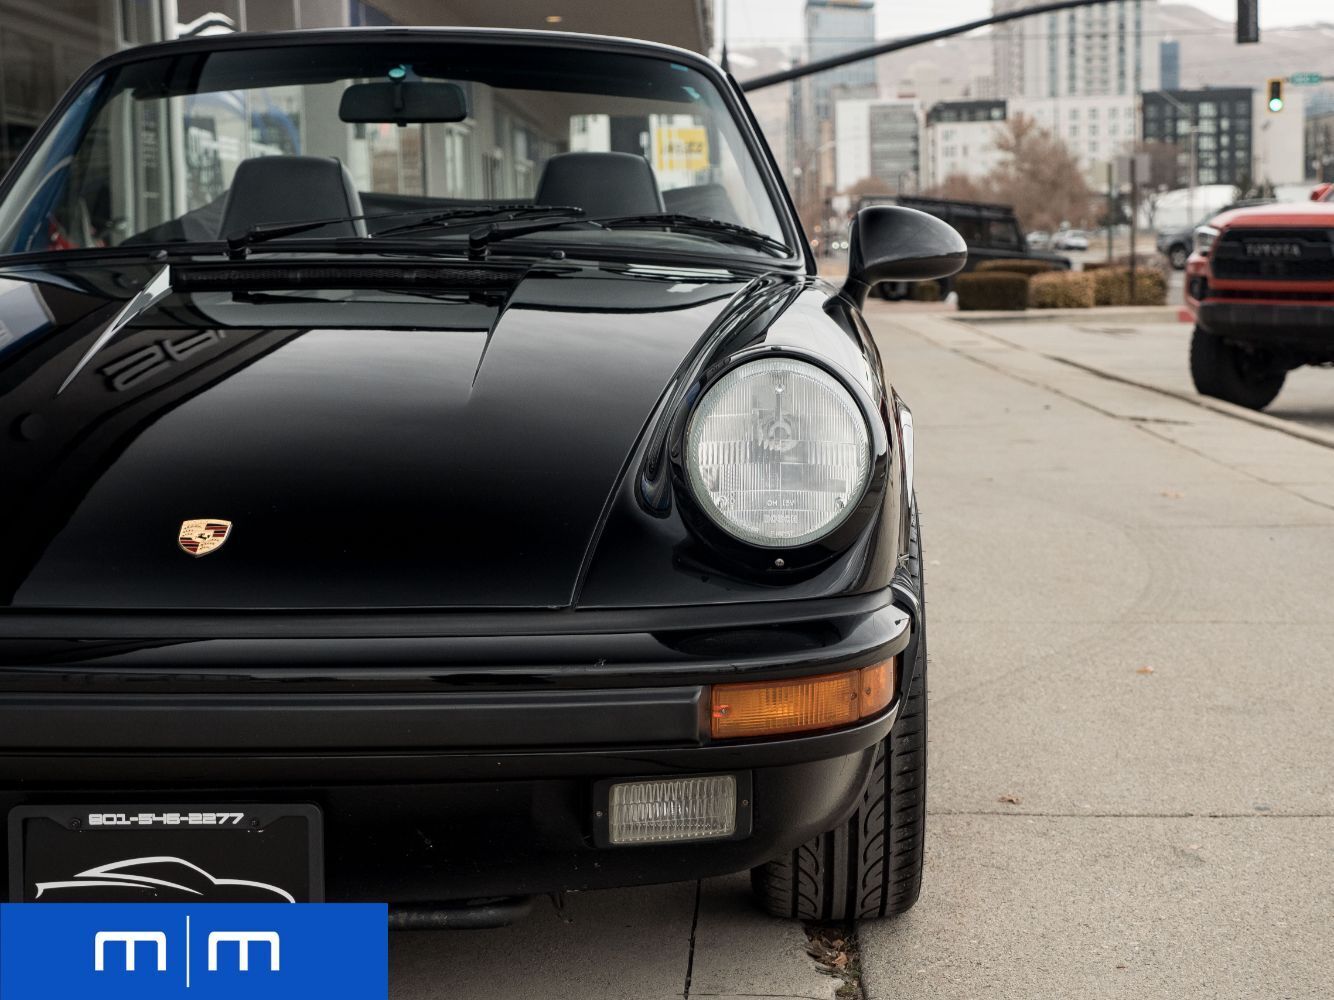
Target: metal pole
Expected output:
[1134,220]
[1111,208]
[1194,167]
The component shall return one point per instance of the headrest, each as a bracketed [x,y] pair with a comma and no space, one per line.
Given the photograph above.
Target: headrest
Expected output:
[292,189]
[602,184]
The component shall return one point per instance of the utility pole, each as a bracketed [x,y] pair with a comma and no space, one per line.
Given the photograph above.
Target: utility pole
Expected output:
[1134,219]
[1111,209]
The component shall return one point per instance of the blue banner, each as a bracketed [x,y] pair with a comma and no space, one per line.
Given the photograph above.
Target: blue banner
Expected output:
[149,950]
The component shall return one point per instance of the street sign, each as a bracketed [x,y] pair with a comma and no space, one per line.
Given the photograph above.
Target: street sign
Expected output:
[1134,167]
[1305,78]
[1248,22]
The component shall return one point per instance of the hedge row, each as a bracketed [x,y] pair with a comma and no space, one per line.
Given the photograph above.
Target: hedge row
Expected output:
[991,290]
[1061,290]
[926,291]
[1112,287]
[1029,267]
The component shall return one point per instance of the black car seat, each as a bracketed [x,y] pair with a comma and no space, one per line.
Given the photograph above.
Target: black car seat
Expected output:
[604,185]
[708,201]
[292,189]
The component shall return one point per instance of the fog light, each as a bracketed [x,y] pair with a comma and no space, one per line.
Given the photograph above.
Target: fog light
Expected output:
[771,708]
[655,812]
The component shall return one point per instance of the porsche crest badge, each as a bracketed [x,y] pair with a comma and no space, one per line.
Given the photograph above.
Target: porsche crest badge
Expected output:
[204,535]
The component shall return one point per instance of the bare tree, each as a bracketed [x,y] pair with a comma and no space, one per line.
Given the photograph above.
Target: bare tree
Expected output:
[961,187]
[869,186]
[1040,177]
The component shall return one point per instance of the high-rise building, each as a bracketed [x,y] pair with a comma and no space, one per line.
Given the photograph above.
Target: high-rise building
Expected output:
[1106,50]
[877,138]
[833,27]
[1169,65]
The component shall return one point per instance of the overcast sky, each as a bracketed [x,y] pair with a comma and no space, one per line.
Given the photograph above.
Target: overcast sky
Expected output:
[757,22]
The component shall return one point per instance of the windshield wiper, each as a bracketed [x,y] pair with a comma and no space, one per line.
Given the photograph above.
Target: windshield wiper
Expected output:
[265,231]
[447,218]
[481,238]
[697,225]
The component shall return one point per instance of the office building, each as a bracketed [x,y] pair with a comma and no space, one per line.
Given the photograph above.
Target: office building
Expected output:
[1169,65]
[959,137]
[1236,139]
[1099,51]
[1094,129]
[880,139]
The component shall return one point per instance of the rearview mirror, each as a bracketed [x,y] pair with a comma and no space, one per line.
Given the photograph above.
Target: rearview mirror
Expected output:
[891,243]
[403,102]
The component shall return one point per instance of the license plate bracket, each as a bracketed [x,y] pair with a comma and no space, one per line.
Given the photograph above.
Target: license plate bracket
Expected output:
[174,852]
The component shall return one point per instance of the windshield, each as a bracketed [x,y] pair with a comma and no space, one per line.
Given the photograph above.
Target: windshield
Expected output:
[197,147]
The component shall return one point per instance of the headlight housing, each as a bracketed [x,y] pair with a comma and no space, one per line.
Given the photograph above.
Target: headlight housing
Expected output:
[1204,238]
[778,453]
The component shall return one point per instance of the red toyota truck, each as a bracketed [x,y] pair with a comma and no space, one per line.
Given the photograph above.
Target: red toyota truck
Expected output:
[1260,291]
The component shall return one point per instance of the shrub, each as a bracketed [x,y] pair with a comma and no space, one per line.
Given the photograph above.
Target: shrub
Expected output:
[1029,267]
[1150,288]
[992,290]
[1112,287]
[1096,265]
[1061,290]
[926,291]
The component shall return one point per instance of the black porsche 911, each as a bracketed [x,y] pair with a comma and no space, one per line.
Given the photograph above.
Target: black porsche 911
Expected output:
[434,473]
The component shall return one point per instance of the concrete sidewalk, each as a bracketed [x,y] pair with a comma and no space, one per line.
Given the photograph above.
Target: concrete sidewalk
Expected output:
[686,940]
[1132,776]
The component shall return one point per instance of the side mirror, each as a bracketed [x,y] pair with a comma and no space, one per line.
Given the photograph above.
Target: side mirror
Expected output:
[1321,190]
[891,243]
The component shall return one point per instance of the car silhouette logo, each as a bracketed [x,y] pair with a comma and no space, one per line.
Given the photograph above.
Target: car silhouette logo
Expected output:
[203,535]
[154,875]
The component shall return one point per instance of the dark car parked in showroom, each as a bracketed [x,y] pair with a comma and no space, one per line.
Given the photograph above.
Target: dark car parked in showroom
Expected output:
[434,473]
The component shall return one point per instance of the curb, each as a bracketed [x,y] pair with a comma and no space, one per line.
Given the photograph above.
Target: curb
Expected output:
[1310,434]
[1120,314]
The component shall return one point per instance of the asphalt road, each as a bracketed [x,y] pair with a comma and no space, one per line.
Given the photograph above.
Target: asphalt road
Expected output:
[1132,775]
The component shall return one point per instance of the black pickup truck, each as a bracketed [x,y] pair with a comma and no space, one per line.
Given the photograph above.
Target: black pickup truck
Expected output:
[991,231]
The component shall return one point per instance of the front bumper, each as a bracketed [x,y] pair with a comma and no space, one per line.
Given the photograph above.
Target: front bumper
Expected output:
[450,762]
[1296,325]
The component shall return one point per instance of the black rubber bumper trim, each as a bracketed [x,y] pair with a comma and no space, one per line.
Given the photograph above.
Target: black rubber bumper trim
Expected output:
[1270,324]
[518,720]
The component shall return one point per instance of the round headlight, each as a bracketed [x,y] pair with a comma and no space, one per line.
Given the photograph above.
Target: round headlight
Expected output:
[778,452]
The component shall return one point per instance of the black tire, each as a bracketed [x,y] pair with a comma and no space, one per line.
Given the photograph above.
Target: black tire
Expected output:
[1232,372]
[1177,255]
[870,866]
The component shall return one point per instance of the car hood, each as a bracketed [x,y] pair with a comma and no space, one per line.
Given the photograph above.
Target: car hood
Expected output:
[1295,214]
[453,443]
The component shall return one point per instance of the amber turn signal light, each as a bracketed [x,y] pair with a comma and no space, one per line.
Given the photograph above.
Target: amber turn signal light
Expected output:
[772,708]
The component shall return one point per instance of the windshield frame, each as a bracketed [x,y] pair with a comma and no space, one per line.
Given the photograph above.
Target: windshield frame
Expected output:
[742,116]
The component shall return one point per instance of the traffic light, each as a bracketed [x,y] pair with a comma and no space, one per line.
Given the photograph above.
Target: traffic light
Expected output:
[1275,95]
[1248,22]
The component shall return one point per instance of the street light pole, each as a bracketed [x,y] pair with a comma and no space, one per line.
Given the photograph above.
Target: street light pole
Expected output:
[1194,131]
